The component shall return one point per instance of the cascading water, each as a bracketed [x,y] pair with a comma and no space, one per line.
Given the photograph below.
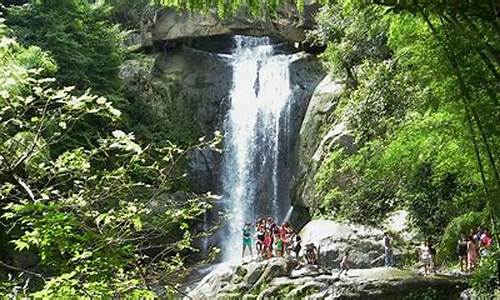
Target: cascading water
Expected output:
[256,138]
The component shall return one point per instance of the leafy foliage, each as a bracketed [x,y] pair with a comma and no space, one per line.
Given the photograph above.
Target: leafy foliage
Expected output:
[403,105]
[459,225]
[80,38]
[100,215]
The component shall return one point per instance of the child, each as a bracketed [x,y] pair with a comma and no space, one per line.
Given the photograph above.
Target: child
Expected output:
[344,264]
[279,246]
[311,254]
[267,244]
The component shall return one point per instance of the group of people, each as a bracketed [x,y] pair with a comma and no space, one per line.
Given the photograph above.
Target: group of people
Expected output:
[472,247]
[274,240]
[271,239]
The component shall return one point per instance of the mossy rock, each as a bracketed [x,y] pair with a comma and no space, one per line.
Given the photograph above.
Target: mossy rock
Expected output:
[305,290]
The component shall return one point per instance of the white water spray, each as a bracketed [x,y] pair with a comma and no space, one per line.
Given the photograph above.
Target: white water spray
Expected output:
[255,132]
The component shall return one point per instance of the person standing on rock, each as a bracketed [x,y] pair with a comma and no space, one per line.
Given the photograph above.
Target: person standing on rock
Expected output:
[280,250]
[268,241]
[297,245]
[259,240]
[388,252]
[472,250]
[344,263]
[247,240]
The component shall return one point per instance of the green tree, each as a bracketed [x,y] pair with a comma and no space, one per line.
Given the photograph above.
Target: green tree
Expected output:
[79,36]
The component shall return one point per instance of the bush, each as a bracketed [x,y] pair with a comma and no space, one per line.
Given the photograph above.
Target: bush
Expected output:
[483,280]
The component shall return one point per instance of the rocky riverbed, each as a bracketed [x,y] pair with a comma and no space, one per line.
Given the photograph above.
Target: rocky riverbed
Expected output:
[290,278]
[287,278]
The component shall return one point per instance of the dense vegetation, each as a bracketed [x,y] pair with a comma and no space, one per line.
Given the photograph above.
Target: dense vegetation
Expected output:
[87,208]
[422,102]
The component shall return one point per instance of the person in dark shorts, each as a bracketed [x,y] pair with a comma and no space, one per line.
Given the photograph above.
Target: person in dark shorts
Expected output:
[259,240]
[462,252]
[297,245]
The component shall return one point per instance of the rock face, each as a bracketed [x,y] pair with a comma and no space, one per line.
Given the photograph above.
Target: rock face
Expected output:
[181,99]
[286,278]
[201,83]
[289,25]
[317,138]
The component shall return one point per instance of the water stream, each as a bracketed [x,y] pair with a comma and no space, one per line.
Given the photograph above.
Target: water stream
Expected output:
[256,138]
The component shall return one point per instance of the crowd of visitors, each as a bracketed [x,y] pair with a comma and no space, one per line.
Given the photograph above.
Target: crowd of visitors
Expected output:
[472,247]
[272,240]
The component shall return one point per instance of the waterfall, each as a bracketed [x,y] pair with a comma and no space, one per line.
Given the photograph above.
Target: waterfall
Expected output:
[256,139]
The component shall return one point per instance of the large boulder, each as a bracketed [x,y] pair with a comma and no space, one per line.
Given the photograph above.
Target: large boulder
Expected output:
[334,238]
[289,24]
[239,279]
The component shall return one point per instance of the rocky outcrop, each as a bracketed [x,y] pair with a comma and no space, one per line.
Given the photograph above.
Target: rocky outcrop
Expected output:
[286,278]
[288,25]
[319,134]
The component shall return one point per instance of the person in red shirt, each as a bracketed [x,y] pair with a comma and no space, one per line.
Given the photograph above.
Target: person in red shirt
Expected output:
[268,241]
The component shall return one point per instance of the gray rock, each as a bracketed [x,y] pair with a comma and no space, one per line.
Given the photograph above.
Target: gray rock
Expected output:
[375,283]
[316,138]
[289,24]
[334,238]
[254,273]
[276,267]
[194,88]
[203,170]
[306,289]
[309,271]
